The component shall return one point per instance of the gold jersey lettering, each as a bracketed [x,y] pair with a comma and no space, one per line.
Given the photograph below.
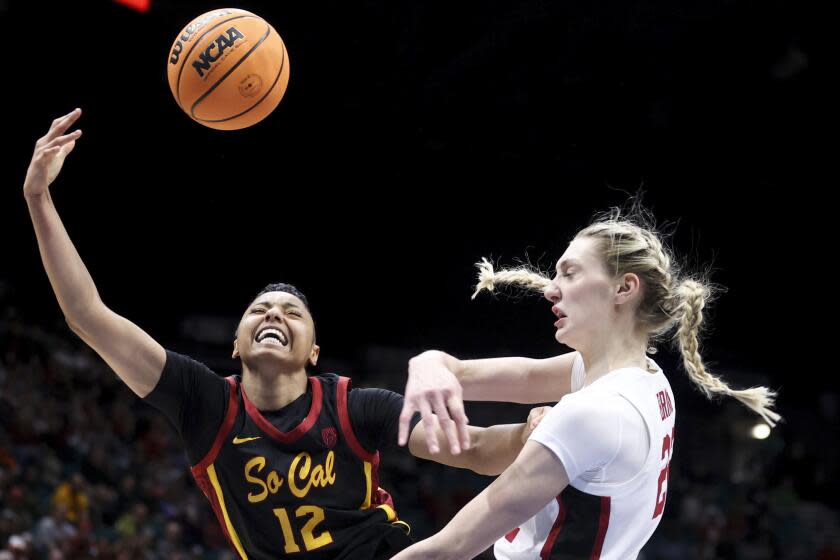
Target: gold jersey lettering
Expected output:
[272,482]
[320,476]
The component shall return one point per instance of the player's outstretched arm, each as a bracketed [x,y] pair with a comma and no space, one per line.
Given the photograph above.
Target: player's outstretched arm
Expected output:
[136,358]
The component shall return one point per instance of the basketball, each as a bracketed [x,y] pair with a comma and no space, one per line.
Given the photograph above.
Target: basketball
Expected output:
[228,69]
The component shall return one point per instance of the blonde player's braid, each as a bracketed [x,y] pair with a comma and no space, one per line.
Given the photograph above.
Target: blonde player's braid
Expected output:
[522,276]
[693,298]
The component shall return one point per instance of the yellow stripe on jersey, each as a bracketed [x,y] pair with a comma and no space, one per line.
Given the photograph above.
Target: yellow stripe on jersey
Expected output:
[368,484]
[211,473]
[406,527]
[389,511]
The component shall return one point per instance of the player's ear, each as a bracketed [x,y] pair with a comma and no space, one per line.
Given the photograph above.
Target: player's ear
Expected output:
[313,354]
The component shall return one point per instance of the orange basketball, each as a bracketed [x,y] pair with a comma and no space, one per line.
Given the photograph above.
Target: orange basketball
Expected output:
[228,69]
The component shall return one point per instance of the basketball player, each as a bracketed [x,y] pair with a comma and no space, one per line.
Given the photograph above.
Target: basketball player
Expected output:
[288,462]
[592,479]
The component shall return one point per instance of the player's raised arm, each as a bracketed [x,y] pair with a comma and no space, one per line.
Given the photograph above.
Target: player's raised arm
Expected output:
[136,358]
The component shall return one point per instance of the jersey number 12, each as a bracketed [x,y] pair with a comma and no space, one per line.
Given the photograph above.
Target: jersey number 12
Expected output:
[310,541]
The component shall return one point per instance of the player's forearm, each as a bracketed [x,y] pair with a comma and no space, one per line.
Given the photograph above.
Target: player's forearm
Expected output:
[491,379]
[472,530]
[73,286]
[519,493]
[495,448]
[481,380]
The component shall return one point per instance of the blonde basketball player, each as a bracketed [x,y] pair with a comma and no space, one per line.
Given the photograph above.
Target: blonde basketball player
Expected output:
[591,481]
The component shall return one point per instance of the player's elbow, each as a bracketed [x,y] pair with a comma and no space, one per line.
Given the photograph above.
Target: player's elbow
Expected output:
[75,326]
[87,321]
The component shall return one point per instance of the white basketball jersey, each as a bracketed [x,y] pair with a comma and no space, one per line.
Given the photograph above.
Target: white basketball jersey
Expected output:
[594,519]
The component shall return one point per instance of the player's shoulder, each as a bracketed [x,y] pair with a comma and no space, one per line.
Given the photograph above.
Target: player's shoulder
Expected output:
[382,401]
[591,405]
[330,381]
[190,368]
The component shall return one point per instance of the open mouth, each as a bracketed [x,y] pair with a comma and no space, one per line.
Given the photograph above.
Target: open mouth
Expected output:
[272,336]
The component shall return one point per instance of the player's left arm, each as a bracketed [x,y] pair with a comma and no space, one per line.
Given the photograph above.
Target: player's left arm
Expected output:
[491,449]
[375,415]
[518,494]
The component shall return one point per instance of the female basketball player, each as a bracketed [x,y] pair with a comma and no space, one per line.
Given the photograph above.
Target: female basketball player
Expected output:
[591,481]
[289,462]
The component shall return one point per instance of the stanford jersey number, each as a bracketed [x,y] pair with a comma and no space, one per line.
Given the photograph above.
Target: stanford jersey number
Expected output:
[667,446]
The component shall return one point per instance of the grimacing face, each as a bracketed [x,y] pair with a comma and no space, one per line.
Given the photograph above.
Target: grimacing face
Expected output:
[276,327]
[582,293]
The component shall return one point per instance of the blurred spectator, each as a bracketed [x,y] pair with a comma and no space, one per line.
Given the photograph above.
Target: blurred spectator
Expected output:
[53,529]
[71,496]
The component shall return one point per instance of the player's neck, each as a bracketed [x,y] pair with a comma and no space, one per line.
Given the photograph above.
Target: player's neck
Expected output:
[273,390]
[612,353]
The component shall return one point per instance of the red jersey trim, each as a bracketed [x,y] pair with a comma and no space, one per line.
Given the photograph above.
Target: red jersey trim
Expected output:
[347,426]
[224,429]
[353,443]
[300,429]
[603,525]
[555,530]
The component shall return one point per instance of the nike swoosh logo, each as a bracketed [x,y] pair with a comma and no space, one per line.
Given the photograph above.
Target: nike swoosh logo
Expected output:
[237,440]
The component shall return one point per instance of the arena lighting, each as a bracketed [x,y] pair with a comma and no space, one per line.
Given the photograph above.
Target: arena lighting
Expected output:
[760,431]
[141,6]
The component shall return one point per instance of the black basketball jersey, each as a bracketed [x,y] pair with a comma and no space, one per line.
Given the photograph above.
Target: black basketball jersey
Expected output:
[307,493]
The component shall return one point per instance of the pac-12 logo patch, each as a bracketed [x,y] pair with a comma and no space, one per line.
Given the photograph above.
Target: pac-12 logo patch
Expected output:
[329,436]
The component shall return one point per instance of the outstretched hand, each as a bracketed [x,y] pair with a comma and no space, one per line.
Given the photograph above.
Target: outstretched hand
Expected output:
[434,390]
[49,154]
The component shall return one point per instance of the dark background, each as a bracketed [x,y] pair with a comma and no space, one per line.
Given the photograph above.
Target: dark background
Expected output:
[415,138]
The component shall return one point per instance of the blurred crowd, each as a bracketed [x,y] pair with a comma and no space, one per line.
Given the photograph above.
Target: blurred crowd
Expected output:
[87,470]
